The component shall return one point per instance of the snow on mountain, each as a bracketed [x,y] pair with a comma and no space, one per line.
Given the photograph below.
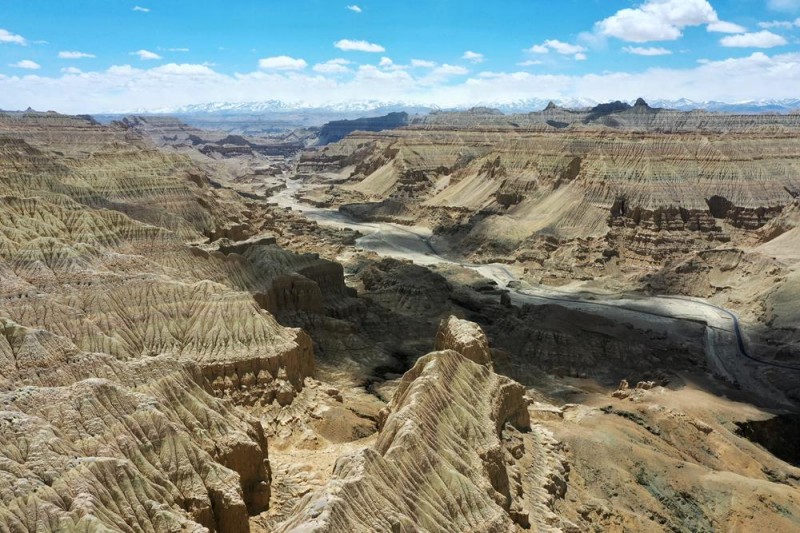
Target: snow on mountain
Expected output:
[518,106]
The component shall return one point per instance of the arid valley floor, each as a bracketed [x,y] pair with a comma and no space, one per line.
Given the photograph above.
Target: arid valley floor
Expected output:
[566,320]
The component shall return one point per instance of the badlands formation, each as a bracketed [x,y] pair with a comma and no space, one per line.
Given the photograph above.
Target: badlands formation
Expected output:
[212,332]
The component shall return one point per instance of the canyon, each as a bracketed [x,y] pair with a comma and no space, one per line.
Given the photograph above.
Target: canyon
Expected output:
[566,320]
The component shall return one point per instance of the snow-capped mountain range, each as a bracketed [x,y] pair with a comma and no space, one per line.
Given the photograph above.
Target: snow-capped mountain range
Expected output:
[519,106]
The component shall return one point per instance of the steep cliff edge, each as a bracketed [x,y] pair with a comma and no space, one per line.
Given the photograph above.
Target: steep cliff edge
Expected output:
[619,198]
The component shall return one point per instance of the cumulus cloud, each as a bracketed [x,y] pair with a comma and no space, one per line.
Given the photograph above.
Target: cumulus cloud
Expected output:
[141,9]
[282,63]
[146,55]
[8,37]
[755,77]
[574,50]
[184,69]
[74,55]
[422,63]
[660,20]
[473,57]
[26,64]
[124,88]
[349,45]
[558,47]
[761,39]
[530,63]
[71,70]
[354,8]
[539,49]
[334,66]
[388,64]
[647,51]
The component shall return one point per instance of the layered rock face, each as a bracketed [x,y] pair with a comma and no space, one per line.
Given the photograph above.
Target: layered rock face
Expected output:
[628,186]
[142,445]
[122,347]
[617,172]
[456,452]
[150,343]
[339,129]
[621,196]
[169,131]
[612,115]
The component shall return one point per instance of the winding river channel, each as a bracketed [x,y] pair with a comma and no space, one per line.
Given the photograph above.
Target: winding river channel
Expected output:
[726,344]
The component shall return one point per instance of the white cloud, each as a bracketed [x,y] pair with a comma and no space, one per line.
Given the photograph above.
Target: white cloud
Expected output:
[784,5]
[354,8]
[385,62]
[473,57]
[422,63]
[564,48]
[450,70]
[657,20]
[8,37]
[438,76]
[334,66]
[184,69]
[530,63]
[177,49]
[26,64]
[146,55]
[781,24]
[71,70]
[282,63]
[761,39]
[539,49]
[358,46]
[721,26]
[74,55]
[122,70]
[574,50]
[647,51]
[123,88]
[141,9]
[557,46]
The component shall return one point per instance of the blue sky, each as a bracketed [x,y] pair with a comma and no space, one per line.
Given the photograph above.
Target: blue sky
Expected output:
[116,55]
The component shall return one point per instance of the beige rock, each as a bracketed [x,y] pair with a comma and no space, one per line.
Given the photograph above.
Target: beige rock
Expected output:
[464,337]
[456,452]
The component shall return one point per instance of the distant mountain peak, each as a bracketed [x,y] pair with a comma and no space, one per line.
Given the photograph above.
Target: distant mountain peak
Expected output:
[379,107]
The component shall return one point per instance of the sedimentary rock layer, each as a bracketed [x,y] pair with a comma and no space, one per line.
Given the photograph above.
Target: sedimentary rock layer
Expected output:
[121,346]
[455,453]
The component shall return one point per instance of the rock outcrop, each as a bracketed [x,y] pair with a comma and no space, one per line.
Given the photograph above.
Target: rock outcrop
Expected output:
[497,189]
[456,452]
[159,322]
[339,129]
[464,337]
[97,442]
[122,349]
